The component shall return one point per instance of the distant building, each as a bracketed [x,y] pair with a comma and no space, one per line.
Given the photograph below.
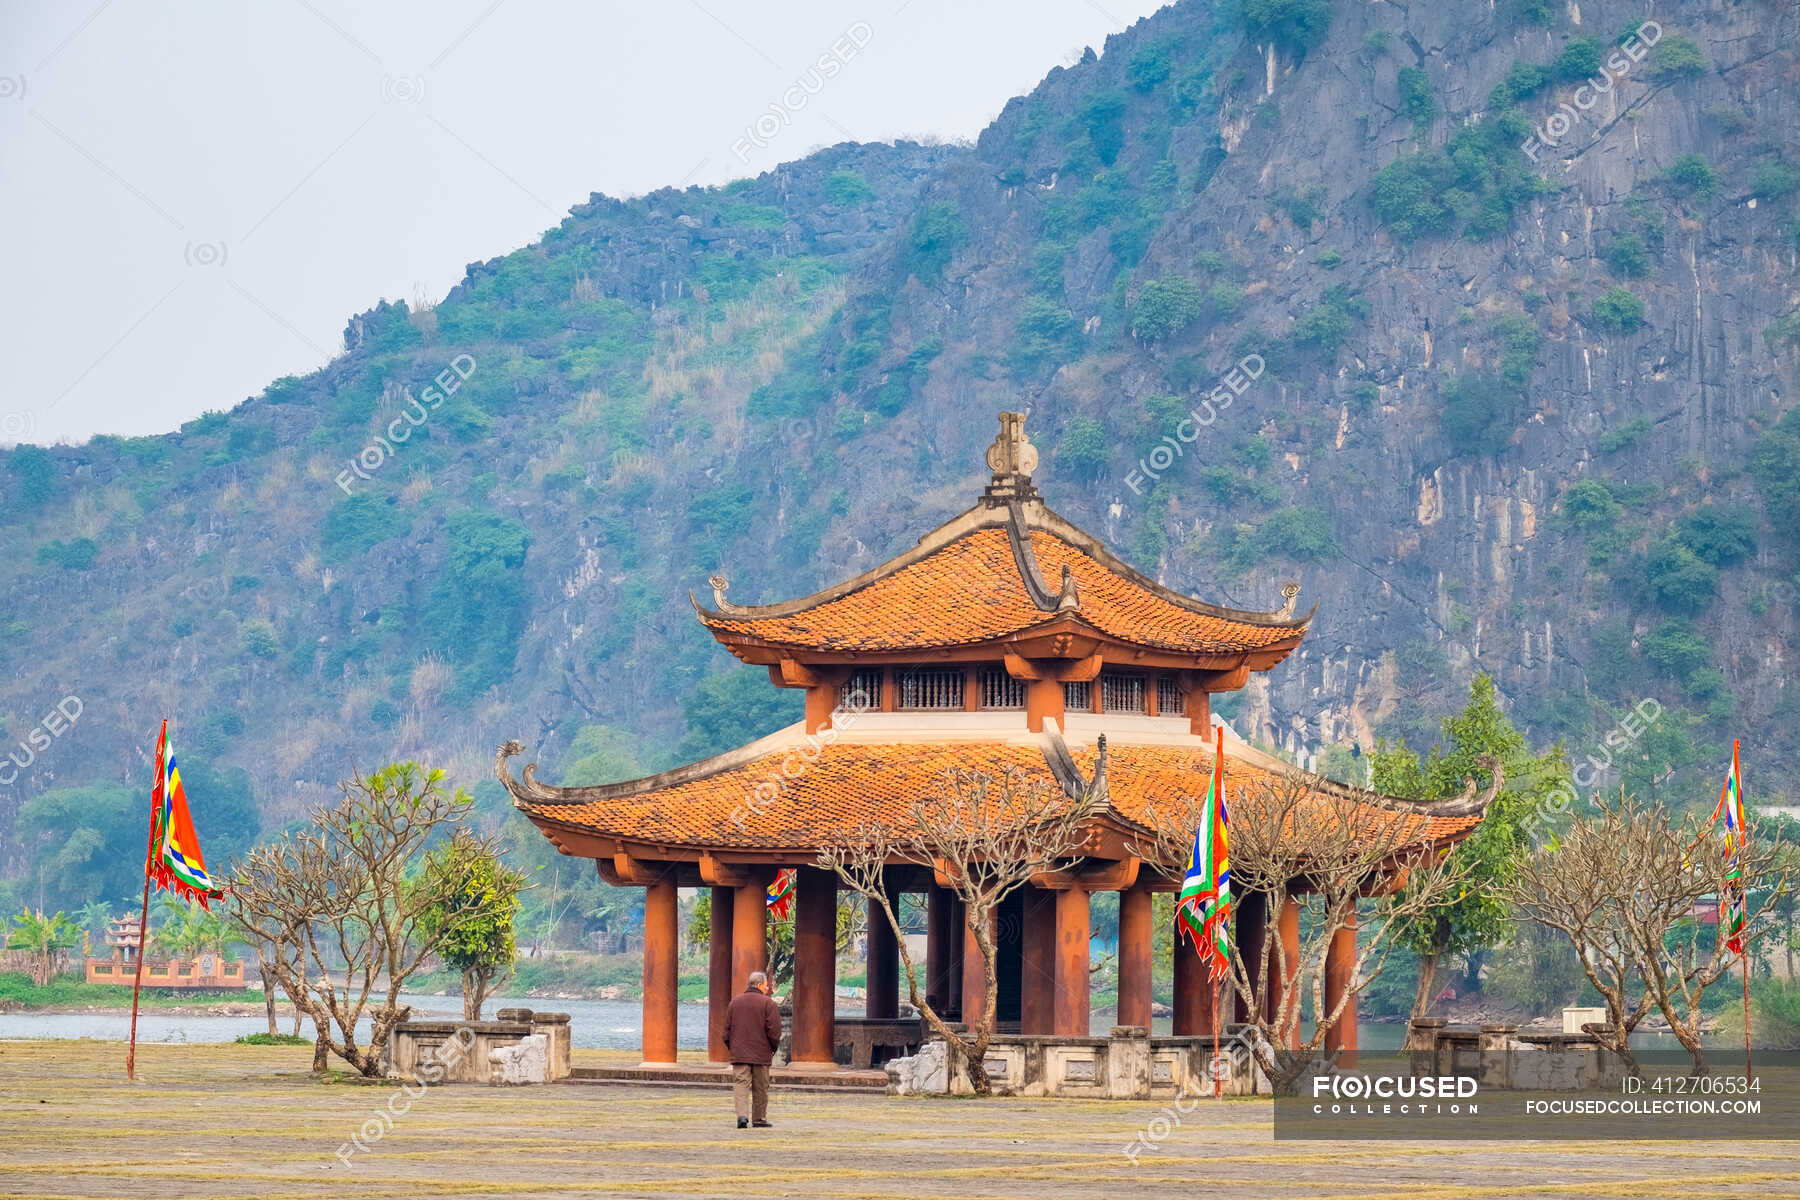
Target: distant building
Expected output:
[125,935]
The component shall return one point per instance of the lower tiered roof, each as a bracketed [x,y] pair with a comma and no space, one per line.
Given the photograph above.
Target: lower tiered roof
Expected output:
[792,793]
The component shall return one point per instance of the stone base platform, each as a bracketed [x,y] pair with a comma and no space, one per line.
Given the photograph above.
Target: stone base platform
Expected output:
[787,1079]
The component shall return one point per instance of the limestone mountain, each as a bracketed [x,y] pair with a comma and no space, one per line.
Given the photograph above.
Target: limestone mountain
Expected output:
[1512,289]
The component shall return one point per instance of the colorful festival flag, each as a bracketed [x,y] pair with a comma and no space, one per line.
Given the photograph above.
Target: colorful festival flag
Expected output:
[1732,904]
[781,893]
[1203,910]
[175,861]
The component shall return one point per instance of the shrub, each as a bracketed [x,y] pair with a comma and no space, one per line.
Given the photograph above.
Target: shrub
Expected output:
[1149,67]
[1165,306]
[1580,59]
[1677,577]
[1473,184]
[1416,100]
[1718,534]
[1327,324]
[1480,413]
[359,522]
[1626,255]
[1677,649]
[1102,116]
[1226,298]
[77,554]
[1691,175]
[937,232]
[1785,330]
[1773,179]
[1677,56]
[1589,505]
[1618,311]
[848,189]
[35,471]
[1083,447]
[1044,327]
[1295,532]
[1625,435]
[1331,260]
[1294,25]
[257,639]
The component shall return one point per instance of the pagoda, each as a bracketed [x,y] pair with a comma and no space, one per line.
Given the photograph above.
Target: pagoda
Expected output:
[1006,640]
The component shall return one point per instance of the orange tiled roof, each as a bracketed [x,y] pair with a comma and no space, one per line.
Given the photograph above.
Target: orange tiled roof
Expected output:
[756,805]
[970,590]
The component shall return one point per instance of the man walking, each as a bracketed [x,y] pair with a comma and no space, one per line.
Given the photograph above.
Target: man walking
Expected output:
[752,1033]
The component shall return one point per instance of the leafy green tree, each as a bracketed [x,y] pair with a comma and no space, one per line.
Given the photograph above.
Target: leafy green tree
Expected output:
[1294,25]
[44,937]
[1165,306]
[1083,447]
[734,707]
[87,841]
[1477,736]
[1619,311]
[94,919]
[472,916]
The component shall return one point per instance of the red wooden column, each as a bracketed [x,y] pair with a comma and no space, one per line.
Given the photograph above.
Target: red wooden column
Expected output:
[718,972]
[1340,967]
[938,935]
[955,946]
[1252,931]
[974,971]
[815,965]
[881,991]
[1072,934]
[1037,962]
[749,930]
[1282,964]
[661,973]
[1194,992]
[1135,957]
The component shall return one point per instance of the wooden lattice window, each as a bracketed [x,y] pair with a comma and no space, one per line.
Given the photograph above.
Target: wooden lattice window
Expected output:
[1001,690]
[1121,693]
[1171,701]
[934,687]
[1077,696]
[863,691]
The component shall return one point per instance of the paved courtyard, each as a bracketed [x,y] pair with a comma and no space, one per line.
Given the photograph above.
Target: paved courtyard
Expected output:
[207,1122]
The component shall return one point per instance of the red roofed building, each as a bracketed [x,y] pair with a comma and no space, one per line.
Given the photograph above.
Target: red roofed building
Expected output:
[1007,639]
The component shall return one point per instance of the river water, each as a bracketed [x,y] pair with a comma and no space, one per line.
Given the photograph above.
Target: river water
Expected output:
[593,1024]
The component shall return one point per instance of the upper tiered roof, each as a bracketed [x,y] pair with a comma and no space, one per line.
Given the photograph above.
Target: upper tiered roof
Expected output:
[981,582]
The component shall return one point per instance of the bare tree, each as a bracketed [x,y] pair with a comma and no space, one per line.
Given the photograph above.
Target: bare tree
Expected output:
[1323,848]
[1625,885]
[338,898]
[984,837]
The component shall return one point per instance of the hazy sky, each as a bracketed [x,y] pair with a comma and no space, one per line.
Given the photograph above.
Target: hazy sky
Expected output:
[194,197]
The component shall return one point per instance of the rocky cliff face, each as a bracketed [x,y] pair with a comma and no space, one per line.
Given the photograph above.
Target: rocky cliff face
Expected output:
[1510,406]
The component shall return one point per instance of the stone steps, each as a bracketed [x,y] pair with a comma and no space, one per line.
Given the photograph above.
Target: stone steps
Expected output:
[782,1078]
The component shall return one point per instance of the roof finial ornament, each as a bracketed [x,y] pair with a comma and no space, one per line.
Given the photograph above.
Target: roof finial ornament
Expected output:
[1070,597]
[720,585]
[1012,458]
[1290,595]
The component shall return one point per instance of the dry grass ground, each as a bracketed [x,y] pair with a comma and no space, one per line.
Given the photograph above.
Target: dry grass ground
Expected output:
[209,1122]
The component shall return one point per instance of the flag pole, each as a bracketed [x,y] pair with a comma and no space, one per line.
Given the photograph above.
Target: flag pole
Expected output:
[1218,1084]
[137,981]
[1744,893]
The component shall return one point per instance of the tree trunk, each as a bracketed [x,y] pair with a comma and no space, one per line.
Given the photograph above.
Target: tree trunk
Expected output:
[474,991]
[1423,995]
[269,1000]
[321,1049]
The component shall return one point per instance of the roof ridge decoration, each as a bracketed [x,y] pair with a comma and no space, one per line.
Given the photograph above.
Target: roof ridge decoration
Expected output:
[1067,771]
[1012,458]
[1031,573]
